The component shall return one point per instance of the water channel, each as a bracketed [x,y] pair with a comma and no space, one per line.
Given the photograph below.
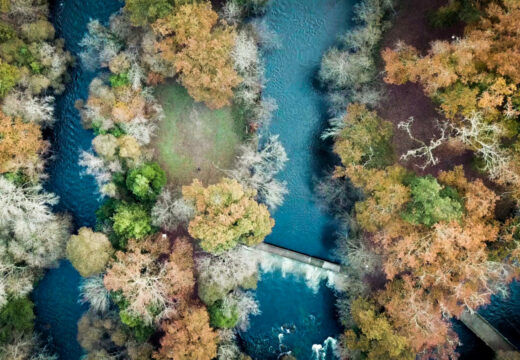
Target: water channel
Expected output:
[294,316]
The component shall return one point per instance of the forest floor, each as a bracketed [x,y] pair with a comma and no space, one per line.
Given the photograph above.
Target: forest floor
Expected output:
[194,141]
[404,101]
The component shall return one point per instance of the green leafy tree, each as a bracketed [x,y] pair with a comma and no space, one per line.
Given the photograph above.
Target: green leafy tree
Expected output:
[144,12]
[6,32]
[117,80]
[146,181]
[16,317]
[226,214]
[432,203]
[140,330]
[222,315]
[365,138]
[131,221]
[9,76]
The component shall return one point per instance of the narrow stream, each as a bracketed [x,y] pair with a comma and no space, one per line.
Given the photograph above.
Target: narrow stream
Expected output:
[294,317]
[56,297]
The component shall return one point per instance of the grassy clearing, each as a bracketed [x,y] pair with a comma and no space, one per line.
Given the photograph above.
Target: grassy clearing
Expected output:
[194,141]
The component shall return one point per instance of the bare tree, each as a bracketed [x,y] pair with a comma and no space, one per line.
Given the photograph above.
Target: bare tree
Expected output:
[257,170]
[245,54]
[228,348]
[170,212]
[93,291]
[141,129]
[484,138]
[36,109]
[32,237]
[95,166]
[425,151]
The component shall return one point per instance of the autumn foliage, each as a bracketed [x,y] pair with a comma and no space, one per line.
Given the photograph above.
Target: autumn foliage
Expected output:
[434,237]
[434,268]
[226,214]
[200,51]
[89,251]
[364,138]
[21,146]
[376,336]
[475,76]
[188,337]
[152,288]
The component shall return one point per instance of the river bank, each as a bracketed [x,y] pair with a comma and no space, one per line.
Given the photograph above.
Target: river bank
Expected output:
[56,297]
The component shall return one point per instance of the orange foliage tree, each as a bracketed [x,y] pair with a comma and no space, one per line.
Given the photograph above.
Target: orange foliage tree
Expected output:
[152,287]
[418,319]
[200,51]
[188,337]
[21,145]
[477,72]
[385,197]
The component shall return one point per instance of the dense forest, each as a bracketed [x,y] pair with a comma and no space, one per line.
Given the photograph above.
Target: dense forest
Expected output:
[167,271]
[433,233]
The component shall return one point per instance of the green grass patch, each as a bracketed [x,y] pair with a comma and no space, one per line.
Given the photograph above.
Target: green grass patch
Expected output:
[194,141]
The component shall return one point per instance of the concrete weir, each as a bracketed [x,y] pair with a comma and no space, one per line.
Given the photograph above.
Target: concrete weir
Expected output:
[306,259]
[474,321]
[486,332]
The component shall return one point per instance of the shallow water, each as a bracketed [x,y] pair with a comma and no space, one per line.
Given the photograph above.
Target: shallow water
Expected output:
[294,317]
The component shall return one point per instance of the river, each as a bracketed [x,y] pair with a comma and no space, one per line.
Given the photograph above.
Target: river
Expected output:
[294,317]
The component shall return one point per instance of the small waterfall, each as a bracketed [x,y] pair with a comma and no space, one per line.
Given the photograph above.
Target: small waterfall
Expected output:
[312,275]
[326,350]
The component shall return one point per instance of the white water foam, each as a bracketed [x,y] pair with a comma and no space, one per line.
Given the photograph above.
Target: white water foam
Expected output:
[312,275]
[320,351]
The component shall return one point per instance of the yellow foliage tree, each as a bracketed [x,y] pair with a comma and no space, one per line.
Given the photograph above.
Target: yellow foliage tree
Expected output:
[226,214]
[376,337]
[89,251]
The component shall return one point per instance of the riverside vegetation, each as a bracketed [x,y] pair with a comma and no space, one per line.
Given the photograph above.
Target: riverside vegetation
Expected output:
[426,243]
[33,66]
[166,275]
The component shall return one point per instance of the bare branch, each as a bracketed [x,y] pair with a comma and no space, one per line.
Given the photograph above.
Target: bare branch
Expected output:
[425,151]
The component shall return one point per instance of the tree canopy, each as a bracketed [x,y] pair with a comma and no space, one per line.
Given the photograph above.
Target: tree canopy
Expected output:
[430,202]
[146,181]
[365,138]
[226,214]
[21,146]
[375,335]
[131,221]
[89,252]
[200,50]
[189,338]
[142,12]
